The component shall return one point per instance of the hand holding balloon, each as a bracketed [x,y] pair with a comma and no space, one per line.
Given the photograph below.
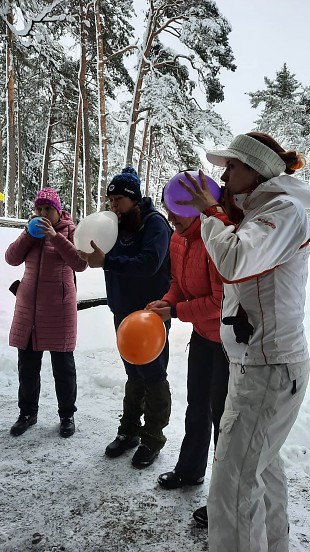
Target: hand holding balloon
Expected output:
[95,259]
[47,228]
[162,308]
[101,228]
[179,193]
[158,304]
[201,195]
[40,227]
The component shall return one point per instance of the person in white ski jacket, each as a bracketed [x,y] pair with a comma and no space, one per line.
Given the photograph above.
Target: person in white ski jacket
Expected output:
[264,265]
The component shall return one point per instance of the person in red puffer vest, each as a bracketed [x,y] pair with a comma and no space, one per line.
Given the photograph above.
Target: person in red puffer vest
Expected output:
[195,296]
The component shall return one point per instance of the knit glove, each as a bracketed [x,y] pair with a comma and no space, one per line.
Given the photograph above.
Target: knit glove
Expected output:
[242,328]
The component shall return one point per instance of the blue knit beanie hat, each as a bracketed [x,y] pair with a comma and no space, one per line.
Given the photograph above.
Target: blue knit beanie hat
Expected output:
[127,184]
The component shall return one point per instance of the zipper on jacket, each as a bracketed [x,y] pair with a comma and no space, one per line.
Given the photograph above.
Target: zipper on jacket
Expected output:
[183,281]
[33,331]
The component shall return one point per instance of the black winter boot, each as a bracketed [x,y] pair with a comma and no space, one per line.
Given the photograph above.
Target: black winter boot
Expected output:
[22,423]
[144,457]
[201,516]
[171,480]
[67,427]
[120,444]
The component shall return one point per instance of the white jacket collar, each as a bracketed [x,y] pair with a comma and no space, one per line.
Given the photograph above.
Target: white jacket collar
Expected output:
[283,184]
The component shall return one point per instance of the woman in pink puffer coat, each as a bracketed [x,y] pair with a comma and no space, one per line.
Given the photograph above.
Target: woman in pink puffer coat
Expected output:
[45,317]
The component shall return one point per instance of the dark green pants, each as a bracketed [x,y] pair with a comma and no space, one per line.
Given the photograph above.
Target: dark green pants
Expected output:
[154,402]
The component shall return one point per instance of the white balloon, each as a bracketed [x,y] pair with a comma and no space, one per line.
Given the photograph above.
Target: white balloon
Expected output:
[100,227]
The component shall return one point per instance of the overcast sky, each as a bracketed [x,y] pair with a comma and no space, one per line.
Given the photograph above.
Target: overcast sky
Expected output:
[265,34]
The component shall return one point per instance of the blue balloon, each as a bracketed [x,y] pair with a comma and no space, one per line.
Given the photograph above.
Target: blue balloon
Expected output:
[33,229]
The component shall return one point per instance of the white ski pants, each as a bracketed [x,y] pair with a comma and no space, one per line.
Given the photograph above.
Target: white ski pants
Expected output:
[247,504]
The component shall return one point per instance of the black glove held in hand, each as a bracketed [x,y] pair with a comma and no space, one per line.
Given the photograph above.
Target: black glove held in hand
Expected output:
[242,328]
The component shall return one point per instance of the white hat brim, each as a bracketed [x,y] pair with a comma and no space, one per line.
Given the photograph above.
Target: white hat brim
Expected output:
[219,158]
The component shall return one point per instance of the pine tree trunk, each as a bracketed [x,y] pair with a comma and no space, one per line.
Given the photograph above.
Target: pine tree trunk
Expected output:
[143,147]
[48,138]
[78,132]
[142,71]
[149,163]
[85,123]
[103,144]
[1,170]
[19,161]
[11,161]
[158,189]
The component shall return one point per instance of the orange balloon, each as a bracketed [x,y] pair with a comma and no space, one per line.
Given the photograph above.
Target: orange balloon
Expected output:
[141,337]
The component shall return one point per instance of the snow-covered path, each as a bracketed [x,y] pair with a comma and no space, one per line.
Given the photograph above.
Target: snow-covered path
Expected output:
[64,495]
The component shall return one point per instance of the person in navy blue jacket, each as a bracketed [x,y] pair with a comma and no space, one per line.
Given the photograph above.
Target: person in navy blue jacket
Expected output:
[137,271]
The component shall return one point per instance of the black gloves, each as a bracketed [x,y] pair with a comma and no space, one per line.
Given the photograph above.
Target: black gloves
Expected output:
[242,328]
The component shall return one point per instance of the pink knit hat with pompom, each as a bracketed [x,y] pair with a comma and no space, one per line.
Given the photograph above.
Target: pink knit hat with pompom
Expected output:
[48,196]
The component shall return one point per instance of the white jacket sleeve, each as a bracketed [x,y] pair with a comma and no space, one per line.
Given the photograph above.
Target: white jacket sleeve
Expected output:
[267,237]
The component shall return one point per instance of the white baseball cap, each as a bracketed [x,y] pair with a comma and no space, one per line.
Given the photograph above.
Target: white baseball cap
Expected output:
[252,152]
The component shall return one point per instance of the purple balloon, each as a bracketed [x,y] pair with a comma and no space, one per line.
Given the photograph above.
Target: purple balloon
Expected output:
[174,191]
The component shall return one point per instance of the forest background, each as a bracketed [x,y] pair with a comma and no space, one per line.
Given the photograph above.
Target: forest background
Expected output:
[86,91]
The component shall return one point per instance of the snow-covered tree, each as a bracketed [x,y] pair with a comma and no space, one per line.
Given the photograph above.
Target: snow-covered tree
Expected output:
[113,32]
[66,118]
[286,111]
[10,117]
[22,22]
[201,32]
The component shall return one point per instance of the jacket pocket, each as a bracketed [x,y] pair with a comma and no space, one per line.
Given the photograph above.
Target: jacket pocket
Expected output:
[227,423]
[298,374]
[66,289]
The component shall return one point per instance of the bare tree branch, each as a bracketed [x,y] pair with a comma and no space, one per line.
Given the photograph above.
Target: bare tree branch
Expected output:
[122,51]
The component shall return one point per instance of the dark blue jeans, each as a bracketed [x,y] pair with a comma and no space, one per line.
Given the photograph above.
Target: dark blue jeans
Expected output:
[207,381]
[29,369]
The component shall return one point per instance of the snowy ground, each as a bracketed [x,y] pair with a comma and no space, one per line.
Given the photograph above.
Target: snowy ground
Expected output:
[65,495]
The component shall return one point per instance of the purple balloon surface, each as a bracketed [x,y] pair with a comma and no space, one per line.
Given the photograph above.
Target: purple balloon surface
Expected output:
[173,192]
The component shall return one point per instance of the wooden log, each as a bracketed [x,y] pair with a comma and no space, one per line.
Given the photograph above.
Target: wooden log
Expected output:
[88,303]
